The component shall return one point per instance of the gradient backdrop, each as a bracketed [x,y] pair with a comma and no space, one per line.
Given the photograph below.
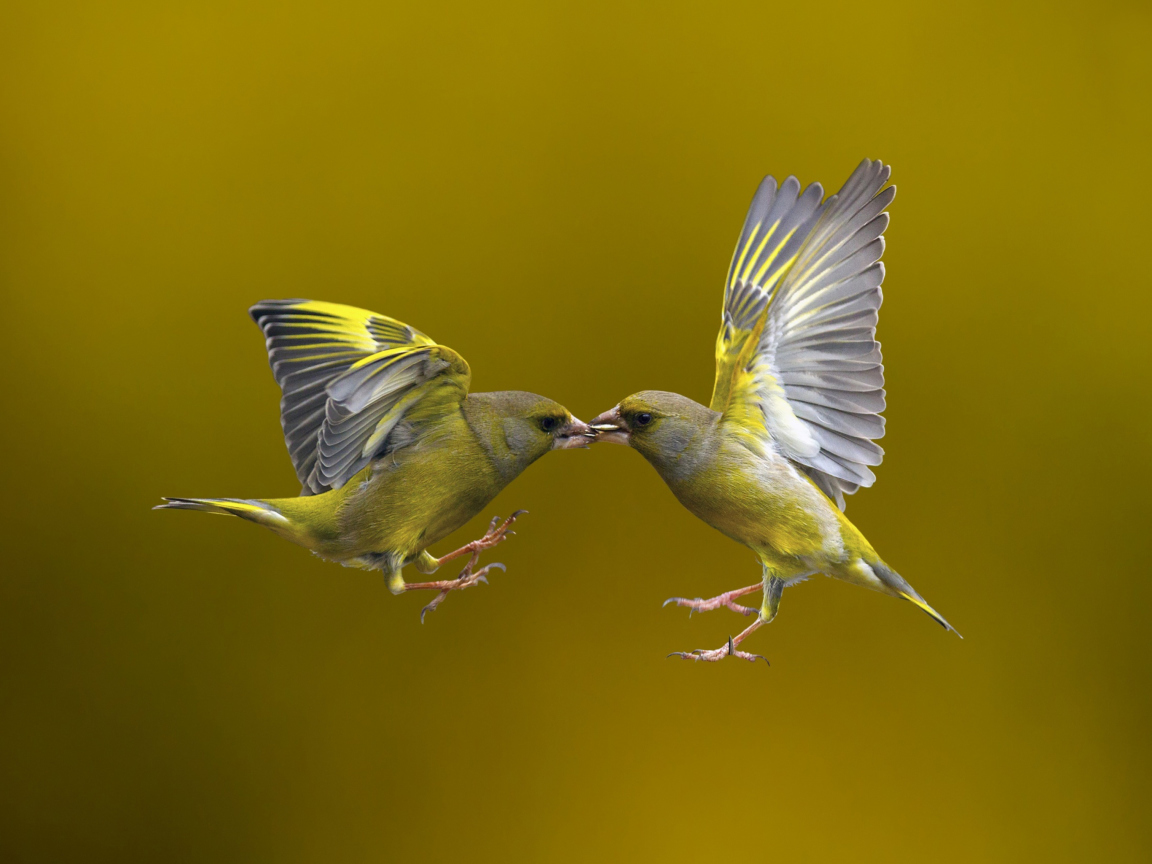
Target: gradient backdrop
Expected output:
[554,190]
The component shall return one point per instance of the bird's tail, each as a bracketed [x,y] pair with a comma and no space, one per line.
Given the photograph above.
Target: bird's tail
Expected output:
[899,584]
[254,510]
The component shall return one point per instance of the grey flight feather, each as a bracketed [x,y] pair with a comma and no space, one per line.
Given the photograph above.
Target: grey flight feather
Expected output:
[347,376]
[815,267]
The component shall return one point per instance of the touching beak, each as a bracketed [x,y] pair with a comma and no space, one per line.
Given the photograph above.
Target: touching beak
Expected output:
[574,434]
[609,428]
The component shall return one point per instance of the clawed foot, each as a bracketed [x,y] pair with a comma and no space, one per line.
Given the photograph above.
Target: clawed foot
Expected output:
[466,579]
[496,534]
[728,650]
[724,599]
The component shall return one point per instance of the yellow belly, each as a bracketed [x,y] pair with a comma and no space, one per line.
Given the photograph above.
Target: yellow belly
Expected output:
[402,503]
[771,507]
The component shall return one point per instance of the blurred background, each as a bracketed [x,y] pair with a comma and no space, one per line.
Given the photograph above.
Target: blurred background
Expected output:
[554,190]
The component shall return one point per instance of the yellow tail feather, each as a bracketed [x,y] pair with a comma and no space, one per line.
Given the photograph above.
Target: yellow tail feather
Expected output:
[255,511]
[936,616]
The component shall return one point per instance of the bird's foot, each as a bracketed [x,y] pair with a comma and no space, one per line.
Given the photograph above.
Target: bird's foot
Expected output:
[716,602]
[718,654]
[466,579]
[729,650]
[496,534]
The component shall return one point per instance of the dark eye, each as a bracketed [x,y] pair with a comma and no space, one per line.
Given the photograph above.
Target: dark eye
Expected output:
[643,419]
[548,424]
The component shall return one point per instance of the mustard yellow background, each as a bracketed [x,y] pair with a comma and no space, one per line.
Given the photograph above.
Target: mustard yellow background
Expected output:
[554,190]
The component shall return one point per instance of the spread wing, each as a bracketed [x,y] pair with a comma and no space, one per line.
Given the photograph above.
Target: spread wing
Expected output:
[348,377]
[797,361]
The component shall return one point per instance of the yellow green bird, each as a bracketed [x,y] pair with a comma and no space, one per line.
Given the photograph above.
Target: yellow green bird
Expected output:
[795,410]
[393,452]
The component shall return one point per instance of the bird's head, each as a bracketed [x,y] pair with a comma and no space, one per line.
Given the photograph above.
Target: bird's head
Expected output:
[658,424]
[532,425]
[556,427]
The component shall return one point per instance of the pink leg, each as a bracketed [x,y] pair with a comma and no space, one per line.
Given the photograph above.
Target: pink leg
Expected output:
[492,537]
[716,602]
[466,579]
[728,650]
[497,532]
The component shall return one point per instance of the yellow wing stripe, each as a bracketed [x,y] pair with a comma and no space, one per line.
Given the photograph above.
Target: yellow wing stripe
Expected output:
[330,310]
[337,337]
[759,249]
[358,325]
[382,355]
[743,253]
[328,356]
[768,263]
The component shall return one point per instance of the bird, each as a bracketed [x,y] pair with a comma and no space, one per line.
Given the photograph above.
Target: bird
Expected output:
[797,400]
[392,451]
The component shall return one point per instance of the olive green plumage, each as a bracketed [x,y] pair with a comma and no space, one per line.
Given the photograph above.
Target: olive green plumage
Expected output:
[798,394]
[393,452]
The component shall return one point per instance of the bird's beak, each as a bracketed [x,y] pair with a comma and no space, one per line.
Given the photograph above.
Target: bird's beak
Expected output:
[610,428]
[574,434]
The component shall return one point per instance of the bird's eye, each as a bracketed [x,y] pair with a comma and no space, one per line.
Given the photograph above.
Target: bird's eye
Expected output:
[643,419]
[548,424]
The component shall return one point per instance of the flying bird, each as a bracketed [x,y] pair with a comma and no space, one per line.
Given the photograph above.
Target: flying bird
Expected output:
[797,402]
[393,452]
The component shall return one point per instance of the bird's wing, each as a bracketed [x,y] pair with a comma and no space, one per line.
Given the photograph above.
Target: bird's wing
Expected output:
[348,376]
[797,361]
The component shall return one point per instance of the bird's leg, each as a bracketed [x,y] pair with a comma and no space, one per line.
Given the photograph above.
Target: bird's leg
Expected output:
[468,577]
[497,533]
[728,650]
[719,600]
[425,563]
[773,587]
